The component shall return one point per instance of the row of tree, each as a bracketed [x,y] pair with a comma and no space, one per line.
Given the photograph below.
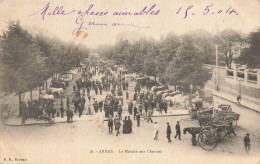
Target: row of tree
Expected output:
[178,60]
[27,61]
[250,55]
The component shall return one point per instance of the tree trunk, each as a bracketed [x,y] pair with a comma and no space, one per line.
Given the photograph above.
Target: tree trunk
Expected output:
[31,94]
[40,90]
[155,78]
[46,85]
[19,104]
[230,59]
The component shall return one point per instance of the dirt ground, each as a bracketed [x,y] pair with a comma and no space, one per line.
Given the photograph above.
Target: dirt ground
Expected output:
[83,142]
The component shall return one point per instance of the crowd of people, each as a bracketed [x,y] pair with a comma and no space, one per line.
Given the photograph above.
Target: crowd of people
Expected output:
[113,84]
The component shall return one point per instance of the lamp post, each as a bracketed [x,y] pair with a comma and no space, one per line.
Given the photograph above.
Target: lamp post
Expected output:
[239,87]
[216,73]
[191,87]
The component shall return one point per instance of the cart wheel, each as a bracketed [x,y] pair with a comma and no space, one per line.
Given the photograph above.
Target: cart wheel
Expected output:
[207,140]
[209,128]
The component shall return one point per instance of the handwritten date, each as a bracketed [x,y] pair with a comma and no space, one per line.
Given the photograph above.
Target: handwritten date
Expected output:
[209,9]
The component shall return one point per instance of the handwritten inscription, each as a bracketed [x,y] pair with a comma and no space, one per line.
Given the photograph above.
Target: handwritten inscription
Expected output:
[57,11]
[83,23]
[80,20]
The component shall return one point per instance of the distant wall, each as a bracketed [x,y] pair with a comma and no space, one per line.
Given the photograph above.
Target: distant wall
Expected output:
[235,82]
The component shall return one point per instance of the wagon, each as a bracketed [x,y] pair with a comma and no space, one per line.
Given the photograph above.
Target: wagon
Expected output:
[213,125]
[225,115]
[210,135]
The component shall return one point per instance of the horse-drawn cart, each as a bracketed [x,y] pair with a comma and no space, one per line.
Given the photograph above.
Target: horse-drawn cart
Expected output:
[225,114]
[214,127]
[208,136]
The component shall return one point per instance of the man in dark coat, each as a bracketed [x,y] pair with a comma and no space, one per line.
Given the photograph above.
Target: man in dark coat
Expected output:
[161,106]
[52,109]
[110,125]
[100,88]
[146,105]
[247,142]
[168,132]
[165,106]
[141,97]
[123,85]
[178,130]
[88,91]
[76,104]
[126,84]
[80,107]
[125,128]
[68,103]
[149,115]
[24,111]
[135,111]
[117,126]
[140,108]
[127,95]
[135,96]
[96,89]
[62,109]
[68,115]
[130,107]
[138,119]
[100,105]
[83,101]
[89,98]
[95,105]
[238,99]
[130,124]
[120,112]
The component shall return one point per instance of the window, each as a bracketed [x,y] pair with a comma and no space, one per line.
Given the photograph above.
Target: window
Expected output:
[241,75]
[252,77]
[230,73]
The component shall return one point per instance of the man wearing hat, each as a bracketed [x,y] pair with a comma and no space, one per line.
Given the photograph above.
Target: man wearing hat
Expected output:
[247,142]
[168,132]
[120,112]
[149,115]
[138,118]
[178,130]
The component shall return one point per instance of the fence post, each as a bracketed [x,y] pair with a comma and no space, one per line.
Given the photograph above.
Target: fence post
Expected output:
[246,75]
[258,79]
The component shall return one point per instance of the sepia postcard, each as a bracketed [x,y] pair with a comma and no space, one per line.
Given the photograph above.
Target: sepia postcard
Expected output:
[129,81]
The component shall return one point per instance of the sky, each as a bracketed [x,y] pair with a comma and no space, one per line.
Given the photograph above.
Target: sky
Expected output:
[209,15]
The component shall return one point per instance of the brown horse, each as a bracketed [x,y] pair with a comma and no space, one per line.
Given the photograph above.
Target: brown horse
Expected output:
[193,131]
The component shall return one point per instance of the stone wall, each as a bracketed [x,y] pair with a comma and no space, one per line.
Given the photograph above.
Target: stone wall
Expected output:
[235,82]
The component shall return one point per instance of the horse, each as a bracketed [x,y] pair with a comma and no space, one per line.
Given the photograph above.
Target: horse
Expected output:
[193,131]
